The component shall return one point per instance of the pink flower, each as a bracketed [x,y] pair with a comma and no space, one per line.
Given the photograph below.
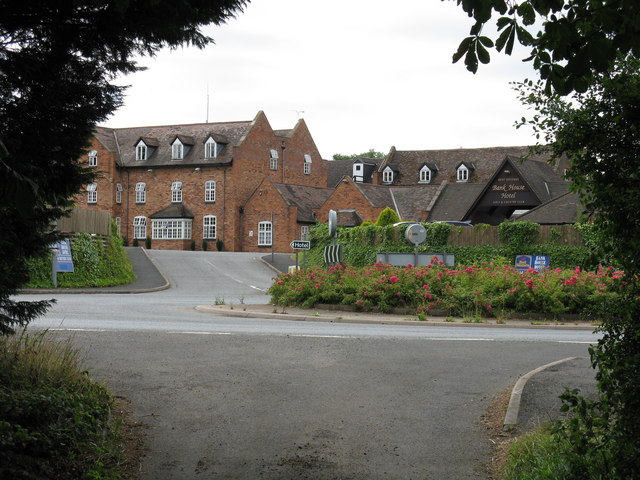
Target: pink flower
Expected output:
[393,279]
[317,285]
[280,282]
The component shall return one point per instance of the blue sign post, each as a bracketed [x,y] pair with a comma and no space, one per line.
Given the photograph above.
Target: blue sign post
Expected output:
[537,262]
[61,259]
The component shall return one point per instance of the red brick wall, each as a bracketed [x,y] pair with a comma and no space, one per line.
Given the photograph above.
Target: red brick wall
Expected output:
[234,186]
[346,196]
[259,208]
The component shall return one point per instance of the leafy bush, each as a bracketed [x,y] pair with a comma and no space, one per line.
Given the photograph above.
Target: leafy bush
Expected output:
[364,242]
[484,290]
[93,265]
[518,234]
[54,421]
[387,217]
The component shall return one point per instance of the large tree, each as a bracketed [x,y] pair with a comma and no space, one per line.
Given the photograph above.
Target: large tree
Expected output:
[570,41]
[589,49]
[58,62]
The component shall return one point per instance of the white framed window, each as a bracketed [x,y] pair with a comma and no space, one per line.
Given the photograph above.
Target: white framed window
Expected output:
[387,175]
[92,193]
[141,192]
[265,234]
[173,229]
[425,175]
[209,191]
[273,159]
[93,158]
[176,192]
[118,193]
[462,174]
[307,164]
[177,150]
[140,227]
[210,148]
[141,151]
[118,221]
[209,225]
[304,232]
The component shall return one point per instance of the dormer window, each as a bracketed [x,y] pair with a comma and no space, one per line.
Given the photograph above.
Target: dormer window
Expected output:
[176,192]
[177,150]
[387,175]
[210,148]
[462,174]
[357,172]
[307,164]
[141,151]
[273,160]
[93,158]
[425,175]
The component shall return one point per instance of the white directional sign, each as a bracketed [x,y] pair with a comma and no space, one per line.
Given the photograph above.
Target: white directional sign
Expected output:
[301,244]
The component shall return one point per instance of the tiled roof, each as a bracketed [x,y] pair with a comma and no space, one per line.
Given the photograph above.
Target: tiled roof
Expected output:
[175,210]
[303,197]
[411,202]
[122,141]
[563,209]
[337,169]
[348,218]
[483,161]
[378,195]
[454,201]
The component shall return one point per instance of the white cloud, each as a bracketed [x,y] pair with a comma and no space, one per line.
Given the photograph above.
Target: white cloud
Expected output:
[366,74]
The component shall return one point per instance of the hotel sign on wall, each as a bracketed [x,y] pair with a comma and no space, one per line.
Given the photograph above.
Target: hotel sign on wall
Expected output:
[508,189]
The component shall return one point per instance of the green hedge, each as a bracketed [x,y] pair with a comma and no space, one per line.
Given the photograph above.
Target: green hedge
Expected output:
[93,265]
[361,244]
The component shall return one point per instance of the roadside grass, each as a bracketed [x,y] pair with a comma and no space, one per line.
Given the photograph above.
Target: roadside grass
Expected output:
[55,422]
[537,455]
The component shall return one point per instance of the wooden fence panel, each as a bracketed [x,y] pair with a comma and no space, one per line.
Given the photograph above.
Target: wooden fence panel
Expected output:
[471,236]
[89,221]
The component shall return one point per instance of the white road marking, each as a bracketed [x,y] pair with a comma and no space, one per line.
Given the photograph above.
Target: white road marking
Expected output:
[237,280]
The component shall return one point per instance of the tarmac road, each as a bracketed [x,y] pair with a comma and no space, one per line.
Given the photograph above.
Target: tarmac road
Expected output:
[250,398]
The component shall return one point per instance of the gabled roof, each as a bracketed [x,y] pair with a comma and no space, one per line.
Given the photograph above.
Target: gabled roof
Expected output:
[535,175]
[175,210]
[561,210]
[121,141]
[454,201]
[412,202]
[304,197]
[338,169]
[484,161]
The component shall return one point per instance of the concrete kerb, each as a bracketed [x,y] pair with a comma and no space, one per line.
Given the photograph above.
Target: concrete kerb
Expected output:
[513,410]
[337,316]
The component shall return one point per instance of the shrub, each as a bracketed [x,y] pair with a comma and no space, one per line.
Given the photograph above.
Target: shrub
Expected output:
[147,243]
[219,245]
[54,421]
[387,217]
[205,244]
[93,265]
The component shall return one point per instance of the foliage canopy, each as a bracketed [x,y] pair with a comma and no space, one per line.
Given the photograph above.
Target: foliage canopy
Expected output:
[58,61]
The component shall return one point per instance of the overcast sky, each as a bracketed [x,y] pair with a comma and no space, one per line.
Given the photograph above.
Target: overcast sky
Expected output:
[364,74]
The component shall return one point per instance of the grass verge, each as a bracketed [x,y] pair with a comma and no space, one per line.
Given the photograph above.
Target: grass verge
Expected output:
[55,422]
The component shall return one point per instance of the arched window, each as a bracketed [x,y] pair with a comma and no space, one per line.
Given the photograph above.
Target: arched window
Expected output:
[176,192]
[140,227]
[92,193]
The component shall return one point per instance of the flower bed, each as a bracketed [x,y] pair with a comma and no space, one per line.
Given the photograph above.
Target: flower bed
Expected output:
[477,290]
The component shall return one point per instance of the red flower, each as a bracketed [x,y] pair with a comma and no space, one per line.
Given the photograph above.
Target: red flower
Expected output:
[393,279]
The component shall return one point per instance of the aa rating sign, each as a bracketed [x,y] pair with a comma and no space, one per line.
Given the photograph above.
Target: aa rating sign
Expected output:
[301,244]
